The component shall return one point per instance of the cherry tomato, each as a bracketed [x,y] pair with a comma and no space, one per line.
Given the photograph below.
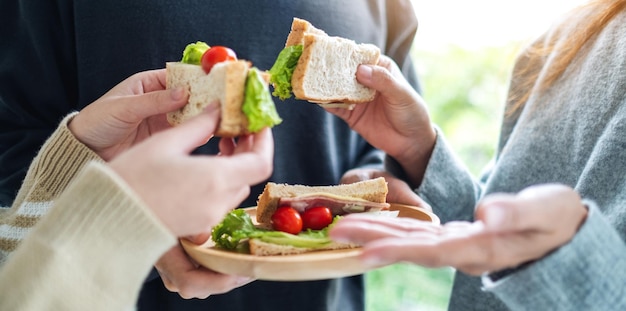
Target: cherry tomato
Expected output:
[214,55]
[287,219]
[317,218]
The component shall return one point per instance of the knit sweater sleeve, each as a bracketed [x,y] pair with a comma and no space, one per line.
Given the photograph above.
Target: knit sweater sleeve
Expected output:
[92,250]
[583,274]
[58,161]
[447,186]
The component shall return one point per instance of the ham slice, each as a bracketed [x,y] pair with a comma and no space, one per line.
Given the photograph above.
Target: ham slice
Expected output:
[337,205]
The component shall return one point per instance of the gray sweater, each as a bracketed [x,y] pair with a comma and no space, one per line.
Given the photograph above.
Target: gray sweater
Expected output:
[574,134]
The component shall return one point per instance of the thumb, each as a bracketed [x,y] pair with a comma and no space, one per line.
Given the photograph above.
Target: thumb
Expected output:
[381,77]
[193,132]
[153,103]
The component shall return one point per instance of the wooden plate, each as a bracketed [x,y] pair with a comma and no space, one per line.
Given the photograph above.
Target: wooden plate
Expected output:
[304,267]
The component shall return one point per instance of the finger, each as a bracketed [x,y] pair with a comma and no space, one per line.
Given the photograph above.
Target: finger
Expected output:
[356,175]
[199,238]
[365,228]
[381,78]
[256,165]
[400,223]
[454,248]
[167,282]
[192,133]
[148,81]
[202,282]
[227,146]
[244,144]
[401,192]
[139,107]
[423,251]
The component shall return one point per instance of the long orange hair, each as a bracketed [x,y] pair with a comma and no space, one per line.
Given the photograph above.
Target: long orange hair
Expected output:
[602,12]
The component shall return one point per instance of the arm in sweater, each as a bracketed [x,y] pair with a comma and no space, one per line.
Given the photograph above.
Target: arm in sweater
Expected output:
[57,163]
[587,273]
[97,260]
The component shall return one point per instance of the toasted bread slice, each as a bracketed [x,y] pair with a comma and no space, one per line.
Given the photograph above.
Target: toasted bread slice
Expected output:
[373,190]
[225,84]
[260,248]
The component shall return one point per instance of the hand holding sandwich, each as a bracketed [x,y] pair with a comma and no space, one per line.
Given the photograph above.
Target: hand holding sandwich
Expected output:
[127,114]
[396,121]
[128,127]
[198,187]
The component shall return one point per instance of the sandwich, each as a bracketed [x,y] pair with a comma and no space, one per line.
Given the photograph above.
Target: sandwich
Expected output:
[320,68]
[295,219]
[214,75]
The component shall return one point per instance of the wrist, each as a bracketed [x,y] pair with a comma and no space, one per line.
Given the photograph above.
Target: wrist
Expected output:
[414,159]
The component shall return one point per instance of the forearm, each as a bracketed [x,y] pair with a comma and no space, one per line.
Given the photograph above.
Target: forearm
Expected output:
[91,252]
[52,170]
[57,163]
[445,184]
[572,277]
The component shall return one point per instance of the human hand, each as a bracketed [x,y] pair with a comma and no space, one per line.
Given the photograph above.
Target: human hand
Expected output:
[127,114]
[191,193]
[399,191]
[396,121]
[180,274]
[509,230]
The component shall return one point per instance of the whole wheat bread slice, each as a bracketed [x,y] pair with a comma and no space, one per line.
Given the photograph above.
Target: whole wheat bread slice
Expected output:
[224,85]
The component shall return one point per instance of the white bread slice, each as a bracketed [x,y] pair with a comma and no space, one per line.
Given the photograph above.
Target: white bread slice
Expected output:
[260,248]
[225,84]
[373,190]
[326,71]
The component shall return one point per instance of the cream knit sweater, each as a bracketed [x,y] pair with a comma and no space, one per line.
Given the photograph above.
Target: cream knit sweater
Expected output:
[95,244]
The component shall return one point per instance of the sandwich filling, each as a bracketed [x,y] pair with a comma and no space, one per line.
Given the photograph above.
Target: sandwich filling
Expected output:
[282,70]
[338,205]
[237,228]
[258,106]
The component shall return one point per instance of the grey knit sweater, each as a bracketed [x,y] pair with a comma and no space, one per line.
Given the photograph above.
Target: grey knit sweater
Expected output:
[574,134]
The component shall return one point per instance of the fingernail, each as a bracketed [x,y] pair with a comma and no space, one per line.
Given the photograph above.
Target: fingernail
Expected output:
[365,73]
[178,93]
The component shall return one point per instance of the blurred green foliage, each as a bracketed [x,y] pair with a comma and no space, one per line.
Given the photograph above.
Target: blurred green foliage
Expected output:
[465,91]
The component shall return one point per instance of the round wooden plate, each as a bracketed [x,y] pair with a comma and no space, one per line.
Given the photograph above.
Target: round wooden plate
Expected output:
[304,267]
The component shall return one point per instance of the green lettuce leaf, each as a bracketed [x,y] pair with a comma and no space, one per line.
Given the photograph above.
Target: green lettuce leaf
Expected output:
[193,52]
[282,70]
[237,227]
[258,105]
